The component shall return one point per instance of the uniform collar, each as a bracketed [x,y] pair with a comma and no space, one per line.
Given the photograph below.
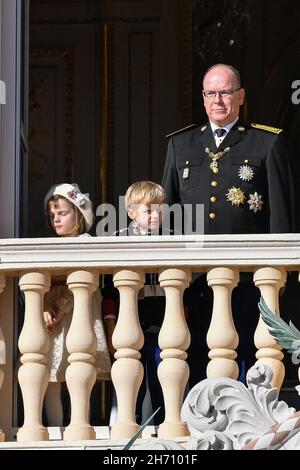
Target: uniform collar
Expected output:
[235,134]
[227,128]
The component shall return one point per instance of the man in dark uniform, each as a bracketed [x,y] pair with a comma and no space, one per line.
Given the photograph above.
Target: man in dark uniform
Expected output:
[240,173]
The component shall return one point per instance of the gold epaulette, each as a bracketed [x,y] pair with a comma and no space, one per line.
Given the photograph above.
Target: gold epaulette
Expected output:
[275,130]
[187,128]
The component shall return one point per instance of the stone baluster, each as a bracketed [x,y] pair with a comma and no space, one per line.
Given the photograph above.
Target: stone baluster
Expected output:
[128,339]
[81,344]
[33,344]
[269,280]
[222,337]
[2,348]
[174,339]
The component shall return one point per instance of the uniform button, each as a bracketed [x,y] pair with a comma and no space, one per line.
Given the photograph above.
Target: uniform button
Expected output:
[214,183]
[212,215]
[213,199]
[216,170]
[187,162]
[246,161]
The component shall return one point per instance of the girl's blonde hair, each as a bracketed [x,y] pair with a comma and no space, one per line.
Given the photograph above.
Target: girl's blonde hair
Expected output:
[79,226]
[144,192]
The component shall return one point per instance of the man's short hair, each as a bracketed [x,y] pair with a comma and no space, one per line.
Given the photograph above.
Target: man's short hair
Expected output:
[144,192]
[235,72]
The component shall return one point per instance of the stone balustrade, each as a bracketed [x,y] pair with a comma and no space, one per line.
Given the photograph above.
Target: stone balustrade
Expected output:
[34,261]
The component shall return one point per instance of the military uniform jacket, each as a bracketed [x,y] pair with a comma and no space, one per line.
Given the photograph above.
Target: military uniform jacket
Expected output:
[256,164]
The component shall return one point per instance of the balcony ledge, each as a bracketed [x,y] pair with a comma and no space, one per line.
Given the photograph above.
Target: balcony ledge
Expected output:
[107,253]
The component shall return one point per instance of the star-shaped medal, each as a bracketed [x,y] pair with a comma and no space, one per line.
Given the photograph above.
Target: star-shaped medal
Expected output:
[236,196]
[246,173]
[255,202]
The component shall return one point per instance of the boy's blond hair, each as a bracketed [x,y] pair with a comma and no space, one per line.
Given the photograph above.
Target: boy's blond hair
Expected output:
[144,192]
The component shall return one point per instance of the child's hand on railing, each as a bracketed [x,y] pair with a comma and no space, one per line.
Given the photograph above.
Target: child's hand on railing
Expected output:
[52,317]
[49,317]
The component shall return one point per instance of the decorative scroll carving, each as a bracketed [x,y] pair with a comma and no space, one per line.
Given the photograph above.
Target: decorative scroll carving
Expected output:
[283,436]
[225,406]
[210,440]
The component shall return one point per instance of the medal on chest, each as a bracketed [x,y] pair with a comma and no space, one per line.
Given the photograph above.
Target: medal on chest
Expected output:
[215,157]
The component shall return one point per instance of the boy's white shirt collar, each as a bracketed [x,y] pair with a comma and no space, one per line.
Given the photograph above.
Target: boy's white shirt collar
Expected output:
[137,227]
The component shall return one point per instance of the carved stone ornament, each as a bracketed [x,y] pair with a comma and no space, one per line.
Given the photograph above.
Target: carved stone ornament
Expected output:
[210,440]
[222,413]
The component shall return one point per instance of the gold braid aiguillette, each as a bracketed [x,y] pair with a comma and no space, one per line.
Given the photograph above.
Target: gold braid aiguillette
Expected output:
[215,156]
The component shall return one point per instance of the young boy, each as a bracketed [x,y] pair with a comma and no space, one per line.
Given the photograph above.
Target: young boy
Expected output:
[143,202]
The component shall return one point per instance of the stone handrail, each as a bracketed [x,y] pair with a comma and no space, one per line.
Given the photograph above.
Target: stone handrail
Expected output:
[197,251]
[129,258]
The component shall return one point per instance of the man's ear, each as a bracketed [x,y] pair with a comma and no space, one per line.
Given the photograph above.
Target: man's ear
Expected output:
[131,213]
[242,94]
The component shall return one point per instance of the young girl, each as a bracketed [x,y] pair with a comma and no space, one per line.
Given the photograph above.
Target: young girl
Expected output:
[69,213]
